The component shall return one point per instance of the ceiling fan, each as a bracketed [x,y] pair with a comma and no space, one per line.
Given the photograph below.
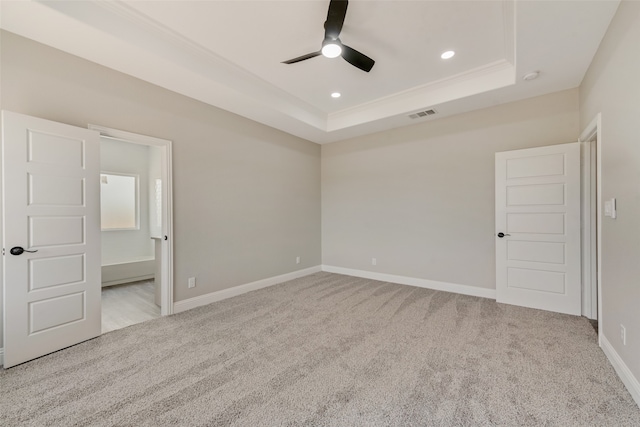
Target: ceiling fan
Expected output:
[332,47]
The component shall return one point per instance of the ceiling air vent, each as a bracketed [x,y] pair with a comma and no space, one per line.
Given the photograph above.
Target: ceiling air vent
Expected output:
[424,113]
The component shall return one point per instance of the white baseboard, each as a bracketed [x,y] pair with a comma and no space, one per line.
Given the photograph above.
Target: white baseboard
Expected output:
[412,281]
[194,302]
[128,271]
[621,368]
[1,356]
[128,280]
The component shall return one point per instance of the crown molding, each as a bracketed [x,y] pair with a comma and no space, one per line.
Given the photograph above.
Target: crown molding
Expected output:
[482,79]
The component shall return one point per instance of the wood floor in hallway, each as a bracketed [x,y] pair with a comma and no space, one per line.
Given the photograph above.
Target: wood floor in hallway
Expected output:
[128,304]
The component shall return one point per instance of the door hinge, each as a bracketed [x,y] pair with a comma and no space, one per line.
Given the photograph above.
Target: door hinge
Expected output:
[2,251]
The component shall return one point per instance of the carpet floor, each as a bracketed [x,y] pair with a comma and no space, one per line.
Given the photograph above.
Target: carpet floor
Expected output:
[329,350]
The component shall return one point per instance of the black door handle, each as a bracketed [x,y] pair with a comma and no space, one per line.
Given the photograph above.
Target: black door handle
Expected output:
[18,250]
[501,234]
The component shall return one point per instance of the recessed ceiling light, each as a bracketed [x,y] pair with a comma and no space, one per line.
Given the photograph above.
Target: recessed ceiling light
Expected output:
[531,76]
[448,54]
[336,95]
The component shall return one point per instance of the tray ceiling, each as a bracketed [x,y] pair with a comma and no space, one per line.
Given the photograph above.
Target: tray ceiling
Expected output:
[228,54]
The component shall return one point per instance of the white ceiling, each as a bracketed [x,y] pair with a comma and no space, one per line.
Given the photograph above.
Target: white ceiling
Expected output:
[229,53]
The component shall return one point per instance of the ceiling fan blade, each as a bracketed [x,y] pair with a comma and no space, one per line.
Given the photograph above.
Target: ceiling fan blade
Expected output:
[302,58]
[357,59]
[335,18]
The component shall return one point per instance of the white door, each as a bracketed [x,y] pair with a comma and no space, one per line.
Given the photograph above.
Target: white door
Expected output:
[538,228]
[51,209]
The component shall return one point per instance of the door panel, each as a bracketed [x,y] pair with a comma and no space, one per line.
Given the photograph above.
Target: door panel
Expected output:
[537,280]
[535,223]
[535,166]
[548,252]
[54,312]
[527,195]
[49,190]
[52,207]
[538,210]
[55,149]
[56,231]
[55,271]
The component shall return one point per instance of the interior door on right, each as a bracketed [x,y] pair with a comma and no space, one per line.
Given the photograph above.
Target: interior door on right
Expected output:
[538,228]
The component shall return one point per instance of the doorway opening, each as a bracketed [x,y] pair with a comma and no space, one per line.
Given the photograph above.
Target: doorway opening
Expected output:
[135,182]
[591,219]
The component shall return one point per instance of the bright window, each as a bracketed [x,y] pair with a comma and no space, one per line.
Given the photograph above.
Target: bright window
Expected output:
[119,201]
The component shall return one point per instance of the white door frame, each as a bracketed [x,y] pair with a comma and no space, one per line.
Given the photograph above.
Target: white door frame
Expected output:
[588,229]
[593,134]
[166,284]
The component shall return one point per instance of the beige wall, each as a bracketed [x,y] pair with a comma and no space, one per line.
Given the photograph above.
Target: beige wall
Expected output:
[611,87]
[246,196]
[420,199]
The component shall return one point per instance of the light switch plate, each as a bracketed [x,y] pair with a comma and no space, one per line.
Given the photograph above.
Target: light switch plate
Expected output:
[610,208]
[607,208]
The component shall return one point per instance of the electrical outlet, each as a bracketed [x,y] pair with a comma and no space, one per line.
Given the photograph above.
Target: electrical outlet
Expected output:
[623,334]
[297,260]
[374,261]
[192,282]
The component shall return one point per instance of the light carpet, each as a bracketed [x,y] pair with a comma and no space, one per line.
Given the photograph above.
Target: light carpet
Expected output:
[329,350]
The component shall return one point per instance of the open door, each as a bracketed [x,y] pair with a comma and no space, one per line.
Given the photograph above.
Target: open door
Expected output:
[51,236]
[538,228]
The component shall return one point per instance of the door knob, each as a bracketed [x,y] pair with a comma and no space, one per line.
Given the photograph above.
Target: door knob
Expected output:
[501,234]
[18,250]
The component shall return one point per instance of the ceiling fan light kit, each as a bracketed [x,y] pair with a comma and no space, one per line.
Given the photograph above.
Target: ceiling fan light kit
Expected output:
[332,47]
